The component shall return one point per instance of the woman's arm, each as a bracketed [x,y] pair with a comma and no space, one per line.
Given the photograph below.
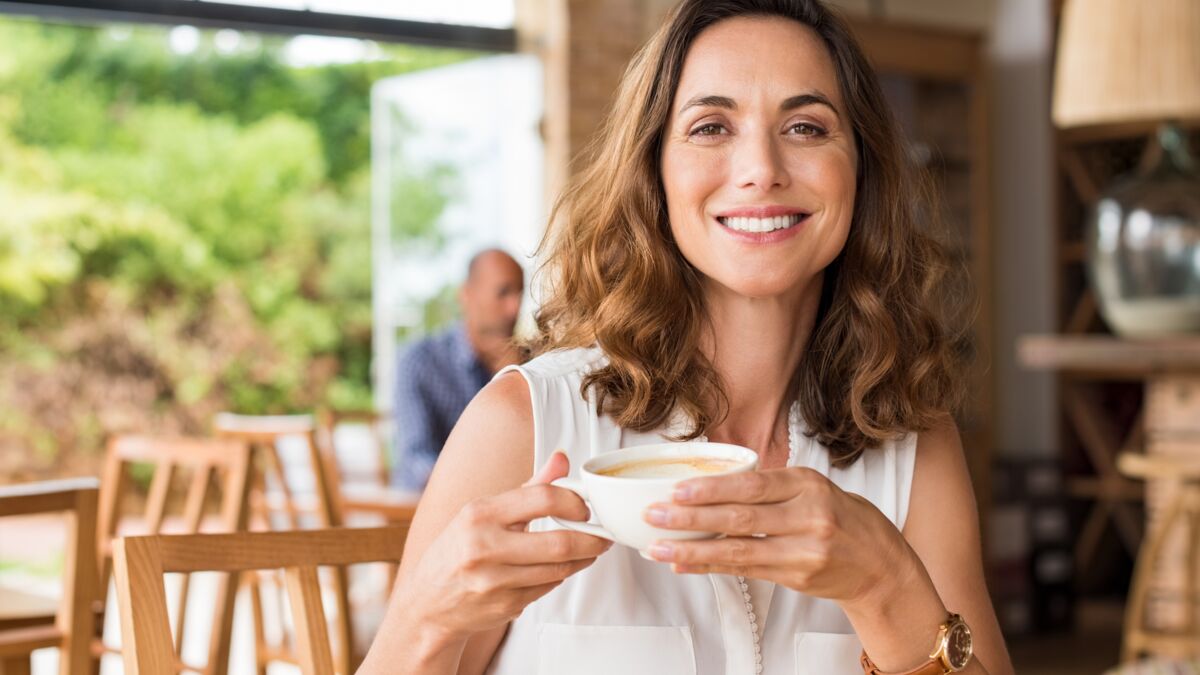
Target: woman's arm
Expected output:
[469,567]
[942,528]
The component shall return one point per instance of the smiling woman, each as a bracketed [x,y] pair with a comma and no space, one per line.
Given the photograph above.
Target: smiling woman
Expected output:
[733,150]
[742,261]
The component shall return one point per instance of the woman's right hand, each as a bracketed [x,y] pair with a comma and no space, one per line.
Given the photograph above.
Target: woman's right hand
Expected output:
[484,568]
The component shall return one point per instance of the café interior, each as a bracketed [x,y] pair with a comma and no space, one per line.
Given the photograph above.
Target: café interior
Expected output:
[219,520]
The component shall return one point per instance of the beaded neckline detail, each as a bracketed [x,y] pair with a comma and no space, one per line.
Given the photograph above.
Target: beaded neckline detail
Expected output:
[793,433]
[751,615]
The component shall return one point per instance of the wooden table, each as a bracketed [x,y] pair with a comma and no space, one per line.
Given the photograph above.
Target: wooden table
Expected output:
[21,609]
[395,505]
[1169,424]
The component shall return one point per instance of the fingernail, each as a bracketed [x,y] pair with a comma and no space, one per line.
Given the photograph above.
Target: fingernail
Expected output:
[656,515]
[662,552]
[682,493]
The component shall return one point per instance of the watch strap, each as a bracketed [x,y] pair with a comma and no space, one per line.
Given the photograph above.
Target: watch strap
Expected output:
[933,666]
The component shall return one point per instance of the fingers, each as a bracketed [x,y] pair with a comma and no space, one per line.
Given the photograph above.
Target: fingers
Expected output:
[736,519]
[526,596]
[750,571]
[556,467]
[523,504]
[750,487]
[731,552]
[532,576]
[531,548]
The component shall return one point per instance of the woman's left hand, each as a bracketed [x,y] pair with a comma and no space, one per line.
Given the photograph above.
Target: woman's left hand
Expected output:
[792,526]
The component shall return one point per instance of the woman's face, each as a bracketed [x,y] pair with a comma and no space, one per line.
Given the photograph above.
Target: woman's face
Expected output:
[758,159]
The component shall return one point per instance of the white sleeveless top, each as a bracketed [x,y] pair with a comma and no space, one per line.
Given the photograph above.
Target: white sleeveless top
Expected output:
[626,615]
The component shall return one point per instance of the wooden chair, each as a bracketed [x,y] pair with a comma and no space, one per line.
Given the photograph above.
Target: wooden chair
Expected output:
[371,470]
[291,495]
[1174,542]
[141,562]
[205,462]
[364,491]
[75,620]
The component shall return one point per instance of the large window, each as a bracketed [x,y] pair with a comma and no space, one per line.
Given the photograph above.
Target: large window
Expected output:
[187,221]
[458,168]
[490,13]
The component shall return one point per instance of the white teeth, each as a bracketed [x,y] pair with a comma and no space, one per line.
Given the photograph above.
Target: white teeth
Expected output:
[761,224]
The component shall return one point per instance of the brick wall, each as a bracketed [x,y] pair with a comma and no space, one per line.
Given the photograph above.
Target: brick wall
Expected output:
[585,46]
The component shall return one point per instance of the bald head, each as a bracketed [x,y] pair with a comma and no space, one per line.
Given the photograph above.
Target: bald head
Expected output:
[493,258]
[491,296]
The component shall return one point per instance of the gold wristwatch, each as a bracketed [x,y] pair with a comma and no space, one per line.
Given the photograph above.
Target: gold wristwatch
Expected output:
[951,653]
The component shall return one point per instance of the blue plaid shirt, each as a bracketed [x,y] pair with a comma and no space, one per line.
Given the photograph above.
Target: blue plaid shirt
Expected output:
[436,378]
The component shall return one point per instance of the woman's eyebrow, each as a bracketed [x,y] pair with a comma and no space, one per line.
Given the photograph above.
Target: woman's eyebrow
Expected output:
[790,103]
[710,100]
[812,98]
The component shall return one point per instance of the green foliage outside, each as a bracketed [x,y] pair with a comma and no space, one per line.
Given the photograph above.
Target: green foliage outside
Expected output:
[182,234]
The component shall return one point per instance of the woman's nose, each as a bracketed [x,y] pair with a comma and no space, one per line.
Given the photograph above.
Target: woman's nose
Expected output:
[759,164]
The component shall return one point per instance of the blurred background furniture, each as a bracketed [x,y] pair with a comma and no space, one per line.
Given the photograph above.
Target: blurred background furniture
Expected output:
[358,444]
[291,484]
[357,465]
[1160,600]
[1105,118]
[196,465]
[292,488]
[298,483]
[1169,556]
[1128,64]
[1157,667]
[74,622]
[141,562]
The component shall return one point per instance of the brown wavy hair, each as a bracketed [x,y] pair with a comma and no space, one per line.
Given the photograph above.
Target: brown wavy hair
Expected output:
[882,359]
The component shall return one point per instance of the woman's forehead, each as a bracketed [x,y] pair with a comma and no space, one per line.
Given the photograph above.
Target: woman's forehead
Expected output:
[745,57]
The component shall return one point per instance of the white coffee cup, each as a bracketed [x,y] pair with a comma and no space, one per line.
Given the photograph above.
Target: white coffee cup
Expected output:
[618,502]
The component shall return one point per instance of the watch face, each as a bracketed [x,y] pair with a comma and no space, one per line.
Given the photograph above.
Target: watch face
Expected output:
[958,646]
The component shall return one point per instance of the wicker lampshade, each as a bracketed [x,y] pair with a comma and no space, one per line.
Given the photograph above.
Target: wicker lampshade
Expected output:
[1127,61]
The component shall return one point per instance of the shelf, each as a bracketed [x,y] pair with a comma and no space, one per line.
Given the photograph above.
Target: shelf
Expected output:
[1104,356]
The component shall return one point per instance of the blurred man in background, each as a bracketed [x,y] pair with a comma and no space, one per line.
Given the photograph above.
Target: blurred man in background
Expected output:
[437,376]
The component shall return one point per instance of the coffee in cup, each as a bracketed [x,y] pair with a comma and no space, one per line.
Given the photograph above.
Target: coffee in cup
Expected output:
[620,485]
[679,468]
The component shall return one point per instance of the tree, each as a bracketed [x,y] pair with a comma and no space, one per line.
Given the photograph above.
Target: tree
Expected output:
[182,234]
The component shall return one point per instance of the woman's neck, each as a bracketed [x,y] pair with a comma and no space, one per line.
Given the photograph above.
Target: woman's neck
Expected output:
[756,344]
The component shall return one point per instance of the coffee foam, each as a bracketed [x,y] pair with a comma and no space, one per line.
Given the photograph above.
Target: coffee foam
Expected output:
[670,467]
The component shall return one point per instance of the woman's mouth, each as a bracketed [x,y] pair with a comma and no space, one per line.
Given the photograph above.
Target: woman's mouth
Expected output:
[761,225]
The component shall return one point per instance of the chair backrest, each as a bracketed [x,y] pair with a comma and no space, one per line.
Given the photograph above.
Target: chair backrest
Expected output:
[75,620]
[293,481]
[286,490]
[361,464]
[141,562]
[201,463]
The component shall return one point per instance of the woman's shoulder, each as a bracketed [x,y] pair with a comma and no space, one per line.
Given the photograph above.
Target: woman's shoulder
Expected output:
[561,363]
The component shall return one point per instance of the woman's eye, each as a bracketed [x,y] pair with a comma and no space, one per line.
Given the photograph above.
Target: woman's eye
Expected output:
[806,129]
[710,129]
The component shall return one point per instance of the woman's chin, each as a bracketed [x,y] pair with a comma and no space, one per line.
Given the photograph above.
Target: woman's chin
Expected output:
[757,287]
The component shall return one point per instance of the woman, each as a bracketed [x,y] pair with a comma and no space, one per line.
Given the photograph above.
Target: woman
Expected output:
[740,262]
